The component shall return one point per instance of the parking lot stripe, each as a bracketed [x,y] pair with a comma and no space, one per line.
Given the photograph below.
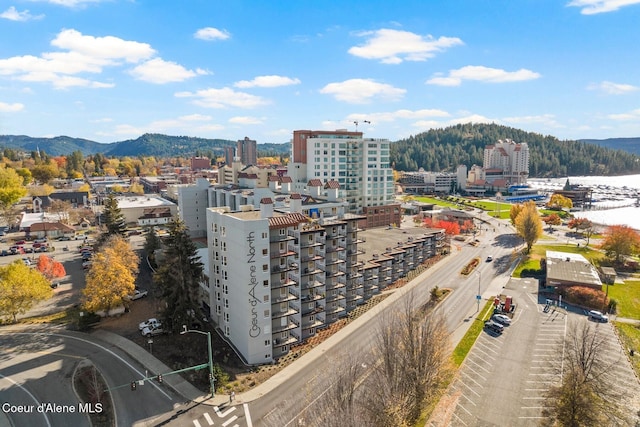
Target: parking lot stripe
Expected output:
[459,419]
[479,366]
[469,377]
[470,389]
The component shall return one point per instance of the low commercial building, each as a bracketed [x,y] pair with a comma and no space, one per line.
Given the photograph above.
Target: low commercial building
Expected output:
[568,269]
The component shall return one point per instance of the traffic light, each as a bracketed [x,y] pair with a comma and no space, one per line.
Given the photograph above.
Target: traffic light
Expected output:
[160,378]
[133,385]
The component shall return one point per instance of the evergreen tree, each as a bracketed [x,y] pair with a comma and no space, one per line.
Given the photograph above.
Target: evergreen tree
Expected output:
[112,218]
[179,277]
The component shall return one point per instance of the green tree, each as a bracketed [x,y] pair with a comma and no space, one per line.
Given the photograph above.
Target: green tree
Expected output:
[179,277]
[113,217]
[152,242]
[111,277]
[528,224]
[619,241]
[21,287]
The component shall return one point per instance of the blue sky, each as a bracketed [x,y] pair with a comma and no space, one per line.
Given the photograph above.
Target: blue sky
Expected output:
[110,70]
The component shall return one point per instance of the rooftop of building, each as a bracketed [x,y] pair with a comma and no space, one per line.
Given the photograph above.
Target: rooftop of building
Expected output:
[381,240]
[146,201]
[570,267]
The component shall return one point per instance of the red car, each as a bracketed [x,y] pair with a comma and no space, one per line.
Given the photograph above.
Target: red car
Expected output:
[20,242]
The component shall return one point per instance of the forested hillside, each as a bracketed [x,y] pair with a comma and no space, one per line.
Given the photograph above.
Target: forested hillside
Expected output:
[445,149]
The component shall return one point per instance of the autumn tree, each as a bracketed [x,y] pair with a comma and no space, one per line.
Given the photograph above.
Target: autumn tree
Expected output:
[21,288]
[620,241]
[528,224]
[587,393]
[111,277]
[44,173]
[136,188]
[179,277]
[514,212]
[50,268]
[12,189]
[552,220]
[41,190]
[558,201]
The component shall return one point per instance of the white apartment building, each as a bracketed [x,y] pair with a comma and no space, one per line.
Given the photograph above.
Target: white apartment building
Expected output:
[277,278]
[509,158]
[360,165]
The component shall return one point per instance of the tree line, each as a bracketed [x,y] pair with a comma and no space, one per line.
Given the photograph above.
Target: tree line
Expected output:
[441,150]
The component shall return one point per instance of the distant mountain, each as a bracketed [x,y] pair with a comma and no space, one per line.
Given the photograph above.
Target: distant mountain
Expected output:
[631,145]
[156,145]
[444,149]
[60,145]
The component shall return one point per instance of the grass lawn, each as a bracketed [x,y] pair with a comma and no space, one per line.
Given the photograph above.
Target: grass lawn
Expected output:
[630,335]
[628,297]
[590,254]
[435,201]
[465,344]
[530,263]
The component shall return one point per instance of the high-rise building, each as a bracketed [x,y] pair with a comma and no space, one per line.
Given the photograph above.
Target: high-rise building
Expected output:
[247,151]
[507,160]
[360,165]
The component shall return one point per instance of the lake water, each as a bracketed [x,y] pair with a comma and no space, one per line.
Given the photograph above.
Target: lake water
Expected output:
[610,191]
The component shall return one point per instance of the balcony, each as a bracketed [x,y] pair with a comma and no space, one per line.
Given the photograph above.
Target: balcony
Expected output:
[289,312]
[290,325]
[315,323]
[289,296]
[276,284]
[279,342]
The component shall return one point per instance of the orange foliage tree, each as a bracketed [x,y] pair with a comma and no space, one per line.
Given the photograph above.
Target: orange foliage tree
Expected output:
[619,241]
[450,228]
[50,268]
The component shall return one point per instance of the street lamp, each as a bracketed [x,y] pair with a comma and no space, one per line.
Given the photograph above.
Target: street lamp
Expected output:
[478,295]
[208,334]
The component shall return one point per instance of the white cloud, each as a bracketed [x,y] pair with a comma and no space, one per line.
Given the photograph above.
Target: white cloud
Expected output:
[545,119]
[267,81]
[222,98]
[63,81]
[482,74]
[195,118]
[362,91]
[160,71]
[631,115]
[246,120]
[70,3]
[592,7]
[392,116]
[12,14]
[394,46]
[210,33]
[107,47]
[10,108]
[611,88]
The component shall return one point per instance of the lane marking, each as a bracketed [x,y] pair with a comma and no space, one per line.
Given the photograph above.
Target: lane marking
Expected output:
[247,415]
[30,395]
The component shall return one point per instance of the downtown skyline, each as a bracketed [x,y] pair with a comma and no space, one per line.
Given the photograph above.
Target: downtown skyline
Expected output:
[111,70]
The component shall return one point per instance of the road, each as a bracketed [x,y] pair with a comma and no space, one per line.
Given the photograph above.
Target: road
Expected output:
[294,396]
[37,366]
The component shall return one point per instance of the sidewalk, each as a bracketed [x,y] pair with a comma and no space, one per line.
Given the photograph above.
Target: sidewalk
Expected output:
[188,391]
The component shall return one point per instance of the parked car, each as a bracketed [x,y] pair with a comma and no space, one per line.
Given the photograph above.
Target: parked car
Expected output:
[501,318]
[493,326]
[138,293]
[64,239]
[42,240]
[598,316]
[152,322]
[489,258]
[5,252]
[153,331]
[86,264]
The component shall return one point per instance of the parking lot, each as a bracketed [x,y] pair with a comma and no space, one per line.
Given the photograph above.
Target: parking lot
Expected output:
[505,376]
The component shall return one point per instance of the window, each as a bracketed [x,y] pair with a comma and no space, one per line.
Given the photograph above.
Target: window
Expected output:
[226,303]
[267,356]
[265,298]
[267,342]
[266,314]
[226,317]
[264,252]
[265,283]
[227,330]
[265,267]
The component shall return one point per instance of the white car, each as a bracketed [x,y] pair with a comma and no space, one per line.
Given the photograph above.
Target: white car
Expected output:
[138,293]
[598,316]
[152,331]
[149,323]
[501,318]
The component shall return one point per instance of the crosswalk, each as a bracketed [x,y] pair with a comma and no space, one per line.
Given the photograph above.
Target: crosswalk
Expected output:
[226,417]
